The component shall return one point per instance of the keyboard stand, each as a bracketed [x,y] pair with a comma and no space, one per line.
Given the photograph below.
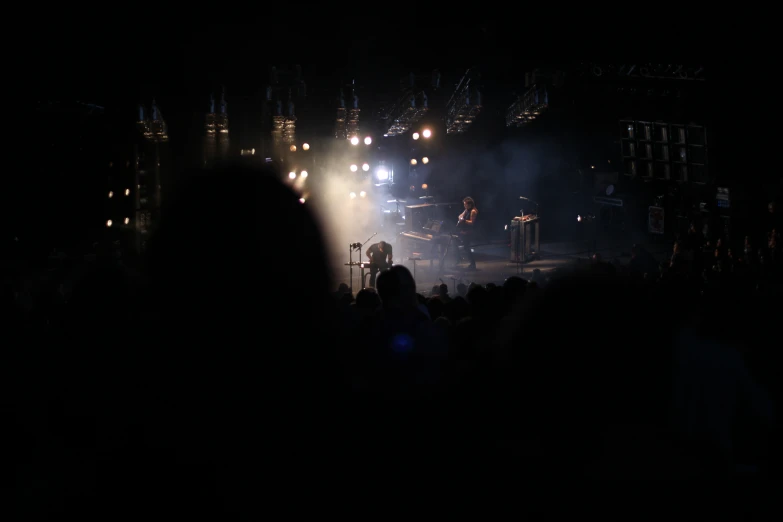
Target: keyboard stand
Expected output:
[414,259]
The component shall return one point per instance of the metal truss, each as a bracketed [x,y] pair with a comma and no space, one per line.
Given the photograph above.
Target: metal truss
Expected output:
[464,106]
[527,107]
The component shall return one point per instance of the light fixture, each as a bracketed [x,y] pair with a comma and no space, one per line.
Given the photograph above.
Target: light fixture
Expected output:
[352,195]
[108,223]
[292,148]
[367,140]
[424,186]
[301,200]
[382,174]
[362,194]
[354,141]
[292,175]
[425,160]
[305,146]
[415,136]
[303,174]
[127,192]
[354,168]
[426,133]
[365,167]
[127,220]
[111,194]
[413,161]
[252,151]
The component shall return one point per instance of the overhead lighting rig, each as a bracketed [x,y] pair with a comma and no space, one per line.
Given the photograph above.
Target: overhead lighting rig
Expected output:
[647,70]
[153,128]
[339,122]
[406,112]
[464,106]
[528,107]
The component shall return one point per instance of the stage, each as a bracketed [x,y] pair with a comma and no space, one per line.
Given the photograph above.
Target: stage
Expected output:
[493,263]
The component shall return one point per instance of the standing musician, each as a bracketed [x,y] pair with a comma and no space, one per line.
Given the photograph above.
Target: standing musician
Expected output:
[466,227]
[380,256]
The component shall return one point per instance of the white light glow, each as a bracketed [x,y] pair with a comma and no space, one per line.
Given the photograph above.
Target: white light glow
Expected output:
[415,136]
[365,167]
[382,174]
[292,148]
[127,192]
[252,151]
[292,175]
[352,195]
[111,194]
[426,133]
[362,194]
[108,223]
[303,174]
[127,220]
[354,141]
[305,146]
[302,200]
[413,161]
[354,168]
[367,140]
[425,160]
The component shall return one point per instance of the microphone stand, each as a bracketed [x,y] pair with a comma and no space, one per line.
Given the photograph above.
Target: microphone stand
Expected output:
[351,248]
[530,200]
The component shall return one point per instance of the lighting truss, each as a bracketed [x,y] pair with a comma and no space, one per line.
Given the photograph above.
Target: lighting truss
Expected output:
[464,106]
[339,123]
[406,112]
[210,138]
[153,128]
[527,107]
[353,118]
[221,126]
[648,70]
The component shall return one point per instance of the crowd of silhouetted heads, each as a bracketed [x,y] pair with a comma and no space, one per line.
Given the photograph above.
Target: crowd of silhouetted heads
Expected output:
[224,363]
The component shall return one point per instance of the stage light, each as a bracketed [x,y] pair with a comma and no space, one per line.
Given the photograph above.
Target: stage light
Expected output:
[108,223]
[579,219]
[292,148]
[426,133]
[425,160]
[354,168]
[415,136]
[367,140]
[352,195]
[413,161]
[304,174]
[302,200]
[253,151]
[354,141]
[127,192]
[362,193]
[111,194]
[292,175]
[365,167]
[424,186]
[382,174]
[127,220]
[305,146]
